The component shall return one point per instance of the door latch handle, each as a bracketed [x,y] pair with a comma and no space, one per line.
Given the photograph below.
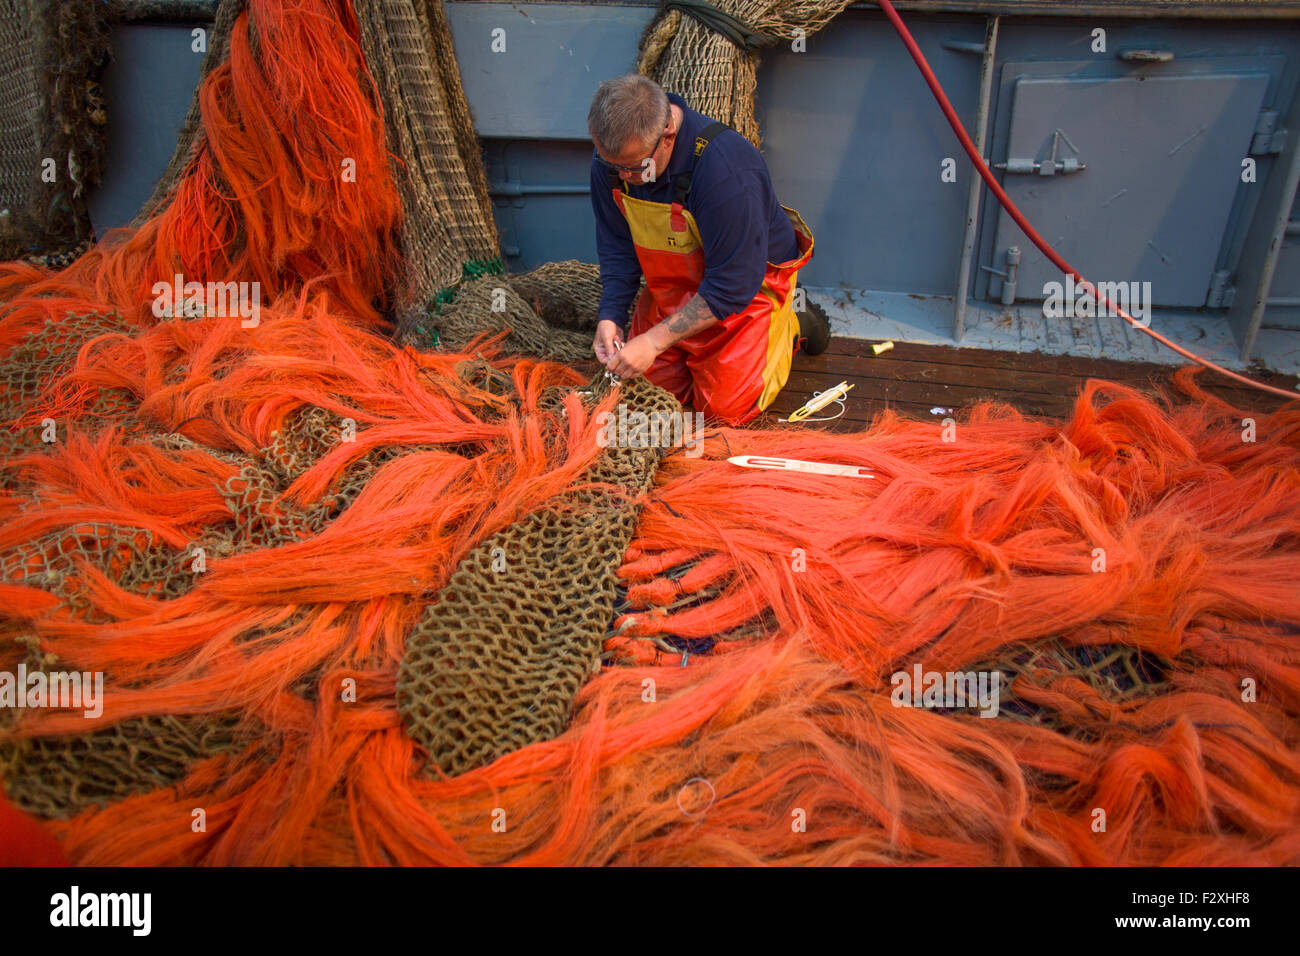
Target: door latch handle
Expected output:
[1026,167]
[1049,166]
[1146,56]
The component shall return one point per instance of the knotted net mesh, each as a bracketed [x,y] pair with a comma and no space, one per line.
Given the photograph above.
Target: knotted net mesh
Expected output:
[715,75]
[489,668]
[52,123]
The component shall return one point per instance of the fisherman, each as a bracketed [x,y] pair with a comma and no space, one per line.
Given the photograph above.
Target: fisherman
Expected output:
[688,203]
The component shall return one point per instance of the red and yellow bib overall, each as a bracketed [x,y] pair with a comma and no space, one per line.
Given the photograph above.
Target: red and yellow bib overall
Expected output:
[734,369]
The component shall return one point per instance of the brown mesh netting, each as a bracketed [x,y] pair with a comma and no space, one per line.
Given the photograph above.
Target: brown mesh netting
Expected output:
[712,73]
[52,121]
[564,294]
[491,304]
[59,777]
[41,357]
[447,215]
[447,212]
[1067,687]
[497,662]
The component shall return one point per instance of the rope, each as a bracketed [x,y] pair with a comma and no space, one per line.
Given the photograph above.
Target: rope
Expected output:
[737,31]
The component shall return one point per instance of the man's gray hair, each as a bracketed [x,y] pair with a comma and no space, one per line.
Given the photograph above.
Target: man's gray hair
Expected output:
[627,110]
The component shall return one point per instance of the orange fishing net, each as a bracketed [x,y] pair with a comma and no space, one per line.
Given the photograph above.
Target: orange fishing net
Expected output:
[248,532]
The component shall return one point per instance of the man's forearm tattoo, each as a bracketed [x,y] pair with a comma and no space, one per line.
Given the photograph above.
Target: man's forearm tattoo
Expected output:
[694,316]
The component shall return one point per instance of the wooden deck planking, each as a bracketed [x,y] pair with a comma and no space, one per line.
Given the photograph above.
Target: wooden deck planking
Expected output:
[912,379]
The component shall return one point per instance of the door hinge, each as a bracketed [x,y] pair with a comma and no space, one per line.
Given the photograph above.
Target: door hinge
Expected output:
[1221,293]
[1269,139]
[1012,255]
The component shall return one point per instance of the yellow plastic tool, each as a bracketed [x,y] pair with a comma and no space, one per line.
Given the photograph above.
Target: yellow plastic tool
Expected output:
[820,401]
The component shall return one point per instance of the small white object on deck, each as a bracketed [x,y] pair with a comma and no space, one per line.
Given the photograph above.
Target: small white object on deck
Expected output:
[794,464]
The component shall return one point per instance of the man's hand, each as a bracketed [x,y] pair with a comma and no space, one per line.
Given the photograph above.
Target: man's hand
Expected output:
[634,358]
[640,352]
[607,342]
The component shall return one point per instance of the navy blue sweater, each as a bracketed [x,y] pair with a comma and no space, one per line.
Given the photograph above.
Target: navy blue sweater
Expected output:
[742,226]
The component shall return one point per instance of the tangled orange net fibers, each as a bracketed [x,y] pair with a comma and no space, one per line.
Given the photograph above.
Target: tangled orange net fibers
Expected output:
[959,552]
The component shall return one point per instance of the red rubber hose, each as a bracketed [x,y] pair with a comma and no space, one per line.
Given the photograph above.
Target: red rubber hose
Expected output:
[1023,223]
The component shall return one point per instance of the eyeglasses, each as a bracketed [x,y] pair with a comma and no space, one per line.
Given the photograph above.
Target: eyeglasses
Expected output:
[632,169]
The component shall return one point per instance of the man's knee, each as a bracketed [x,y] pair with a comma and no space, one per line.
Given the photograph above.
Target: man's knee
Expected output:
[672,375]
[734,410]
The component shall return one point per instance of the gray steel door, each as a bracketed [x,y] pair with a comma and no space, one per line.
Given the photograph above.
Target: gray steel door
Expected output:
[1161,157]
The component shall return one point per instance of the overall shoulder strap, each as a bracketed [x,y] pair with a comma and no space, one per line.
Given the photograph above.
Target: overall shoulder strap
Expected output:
[682,183]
